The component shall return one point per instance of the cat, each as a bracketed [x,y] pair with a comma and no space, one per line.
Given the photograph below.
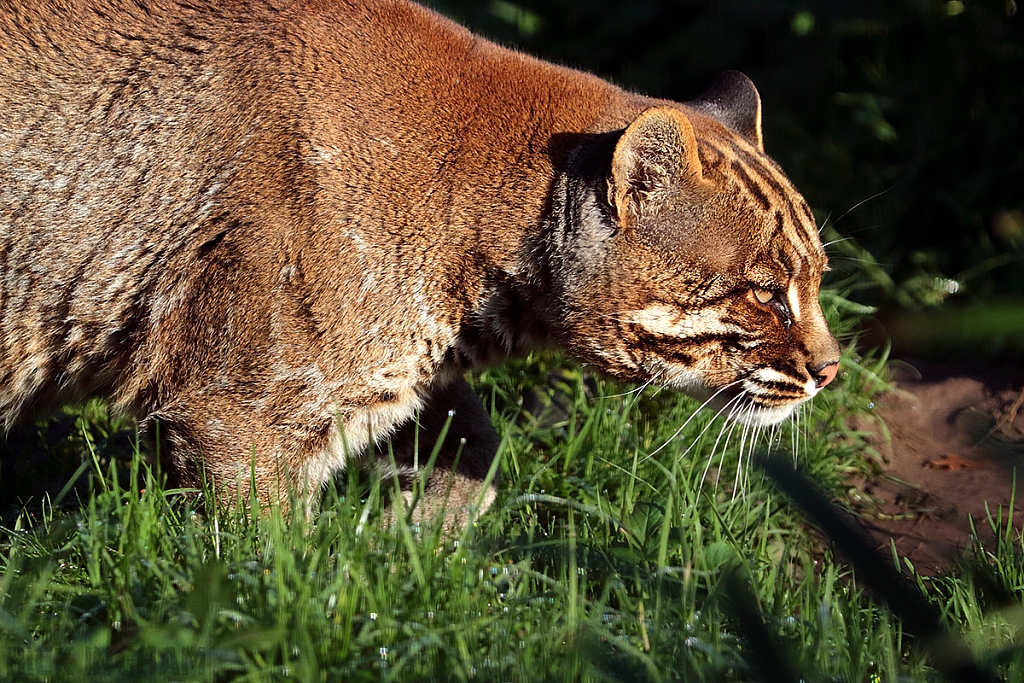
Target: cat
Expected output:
[280,233]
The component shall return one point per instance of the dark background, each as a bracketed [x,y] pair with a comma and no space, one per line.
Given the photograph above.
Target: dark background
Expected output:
[900,120]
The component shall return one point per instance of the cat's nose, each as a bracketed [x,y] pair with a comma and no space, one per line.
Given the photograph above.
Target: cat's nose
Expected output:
[823,374]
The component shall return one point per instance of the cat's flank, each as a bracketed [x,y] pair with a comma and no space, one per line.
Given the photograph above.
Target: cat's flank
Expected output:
[284,230]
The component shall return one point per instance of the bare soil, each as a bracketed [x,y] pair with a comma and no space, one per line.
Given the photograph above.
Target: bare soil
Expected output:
[956,440]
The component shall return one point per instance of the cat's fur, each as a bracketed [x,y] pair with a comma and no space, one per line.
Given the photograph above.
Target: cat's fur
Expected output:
[284,229]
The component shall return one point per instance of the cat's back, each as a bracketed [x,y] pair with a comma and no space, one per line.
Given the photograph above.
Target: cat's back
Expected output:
[123,122]
[135,136]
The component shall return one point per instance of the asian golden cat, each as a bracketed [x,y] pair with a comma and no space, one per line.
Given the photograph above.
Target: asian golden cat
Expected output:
[285,229]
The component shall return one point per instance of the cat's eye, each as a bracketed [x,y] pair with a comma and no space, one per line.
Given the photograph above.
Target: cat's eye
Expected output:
[763,296]
[774,302]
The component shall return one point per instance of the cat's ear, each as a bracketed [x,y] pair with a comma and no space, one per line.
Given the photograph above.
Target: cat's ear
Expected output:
[732,100]
[655,157]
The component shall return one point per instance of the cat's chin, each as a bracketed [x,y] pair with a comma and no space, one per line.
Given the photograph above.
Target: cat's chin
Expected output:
[749,412]
[764,416]
[726,402]
[745,411]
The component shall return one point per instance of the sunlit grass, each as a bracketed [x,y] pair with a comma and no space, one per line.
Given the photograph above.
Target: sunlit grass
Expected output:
[596,562]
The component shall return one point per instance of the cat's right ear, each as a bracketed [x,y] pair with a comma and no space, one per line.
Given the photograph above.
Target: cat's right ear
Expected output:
[654,159]
[733,101]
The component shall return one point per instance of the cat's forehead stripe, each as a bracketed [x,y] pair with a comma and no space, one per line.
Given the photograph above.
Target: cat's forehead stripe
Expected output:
[764,181]
[783,190]
[739,169]
[793,243]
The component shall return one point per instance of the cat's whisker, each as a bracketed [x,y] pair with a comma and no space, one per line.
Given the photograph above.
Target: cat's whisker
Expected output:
[636,391]
[797,431]
[852,259]
[726,430]
[828,244]
[824,223]
[711,456]
[804,416]
[690,419]
[746,439]
[730,424]
[765,434]
[793,432]
[861,203]
[739,463]
[744,433]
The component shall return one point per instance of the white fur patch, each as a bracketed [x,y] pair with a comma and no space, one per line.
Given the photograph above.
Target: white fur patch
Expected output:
[671,322]
[682,379]
[353,436]
[764,417]
[794,301]
[770,375]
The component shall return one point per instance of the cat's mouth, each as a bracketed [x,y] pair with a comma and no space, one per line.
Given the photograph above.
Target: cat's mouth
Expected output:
[746,402]
[761,399]
[738,405]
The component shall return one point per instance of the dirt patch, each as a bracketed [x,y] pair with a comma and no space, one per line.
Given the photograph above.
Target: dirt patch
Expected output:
[956,439]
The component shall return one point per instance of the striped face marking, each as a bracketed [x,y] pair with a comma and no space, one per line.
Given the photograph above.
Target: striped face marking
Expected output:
[712,285]
[667,321]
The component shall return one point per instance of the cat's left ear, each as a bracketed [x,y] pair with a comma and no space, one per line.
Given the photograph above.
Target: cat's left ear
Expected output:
[733,101]
[655,158]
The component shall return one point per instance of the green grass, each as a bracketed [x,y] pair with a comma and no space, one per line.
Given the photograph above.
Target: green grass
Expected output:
[597,562]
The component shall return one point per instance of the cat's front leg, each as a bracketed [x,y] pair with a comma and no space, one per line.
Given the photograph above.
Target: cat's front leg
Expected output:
[456,487]
[215,447]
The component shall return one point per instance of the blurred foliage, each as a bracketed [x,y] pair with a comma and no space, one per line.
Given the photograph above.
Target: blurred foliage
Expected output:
[901,121]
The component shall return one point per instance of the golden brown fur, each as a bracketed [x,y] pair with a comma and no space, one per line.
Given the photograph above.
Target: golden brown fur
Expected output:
[283,229]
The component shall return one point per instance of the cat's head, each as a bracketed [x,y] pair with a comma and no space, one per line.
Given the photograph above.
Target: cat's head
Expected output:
[690,261]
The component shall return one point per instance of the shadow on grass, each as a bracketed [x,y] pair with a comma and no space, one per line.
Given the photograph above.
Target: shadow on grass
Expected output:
[948,654]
